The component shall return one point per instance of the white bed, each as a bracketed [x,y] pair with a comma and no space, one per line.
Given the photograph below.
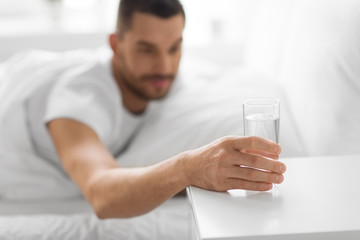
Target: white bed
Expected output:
[32,202]
[73,219]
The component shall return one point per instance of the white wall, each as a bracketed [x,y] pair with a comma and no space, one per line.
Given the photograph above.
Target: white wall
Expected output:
[216,30]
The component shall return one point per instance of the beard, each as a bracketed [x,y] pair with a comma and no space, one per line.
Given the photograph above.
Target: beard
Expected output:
[139,85]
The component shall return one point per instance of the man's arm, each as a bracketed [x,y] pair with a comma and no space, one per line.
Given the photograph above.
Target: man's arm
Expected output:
[125,192]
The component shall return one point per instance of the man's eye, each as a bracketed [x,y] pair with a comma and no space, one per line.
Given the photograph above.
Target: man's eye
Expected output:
[173,50]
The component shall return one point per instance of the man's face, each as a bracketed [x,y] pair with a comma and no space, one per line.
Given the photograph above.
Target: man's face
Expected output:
[149,54]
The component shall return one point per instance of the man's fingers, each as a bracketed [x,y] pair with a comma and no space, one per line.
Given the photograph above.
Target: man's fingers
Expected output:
[256,161]
[255,175]
[234,183]
[261,153]
[256,143]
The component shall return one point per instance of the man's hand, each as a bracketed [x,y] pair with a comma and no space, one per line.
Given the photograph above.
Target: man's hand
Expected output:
[235,163]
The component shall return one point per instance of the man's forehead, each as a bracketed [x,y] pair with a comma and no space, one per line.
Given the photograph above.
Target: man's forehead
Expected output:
[150,28]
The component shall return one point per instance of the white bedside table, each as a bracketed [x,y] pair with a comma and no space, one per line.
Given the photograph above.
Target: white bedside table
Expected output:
[319,199]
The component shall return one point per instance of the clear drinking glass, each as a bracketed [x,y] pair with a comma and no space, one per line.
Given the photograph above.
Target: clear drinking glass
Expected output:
[262,118]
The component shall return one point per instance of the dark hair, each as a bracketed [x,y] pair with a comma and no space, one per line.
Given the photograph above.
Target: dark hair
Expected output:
[159,8]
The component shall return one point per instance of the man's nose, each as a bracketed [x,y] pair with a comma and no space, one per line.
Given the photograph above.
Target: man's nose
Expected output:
[163,64]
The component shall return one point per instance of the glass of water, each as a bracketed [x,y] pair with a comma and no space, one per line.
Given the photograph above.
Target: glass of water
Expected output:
[262,118]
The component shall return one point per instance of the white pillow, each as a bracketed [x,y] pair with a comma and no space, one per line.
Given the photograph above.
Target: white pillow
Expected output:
[321,75]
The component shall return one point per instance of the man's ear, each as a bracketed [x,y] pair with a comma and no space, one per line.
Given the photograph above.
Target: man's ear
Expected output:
[114,43]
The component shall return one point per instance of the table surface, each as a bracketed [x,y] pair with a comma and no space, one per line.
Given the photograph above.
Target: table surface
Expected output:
[319,199]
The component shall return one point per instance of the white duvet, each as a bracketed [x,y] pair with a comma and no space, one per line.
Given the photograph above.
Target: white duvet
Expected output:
[206,104]
[73,220]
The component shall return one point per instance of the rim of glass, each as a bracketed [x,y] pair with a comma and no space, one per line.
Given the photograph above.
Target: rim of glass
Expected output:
[262,101]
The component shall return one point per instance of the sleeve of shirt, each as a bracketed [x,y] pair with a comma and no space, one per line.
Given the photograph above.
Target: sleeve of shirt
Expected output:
[83,101]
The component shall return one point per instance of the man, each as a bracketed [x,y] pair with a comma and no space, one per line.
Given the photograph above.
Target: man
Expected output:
[92,111]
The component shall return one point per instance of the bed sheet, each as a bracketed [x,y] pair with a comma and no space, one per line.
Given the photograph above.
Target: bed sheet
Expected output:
[73,219]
